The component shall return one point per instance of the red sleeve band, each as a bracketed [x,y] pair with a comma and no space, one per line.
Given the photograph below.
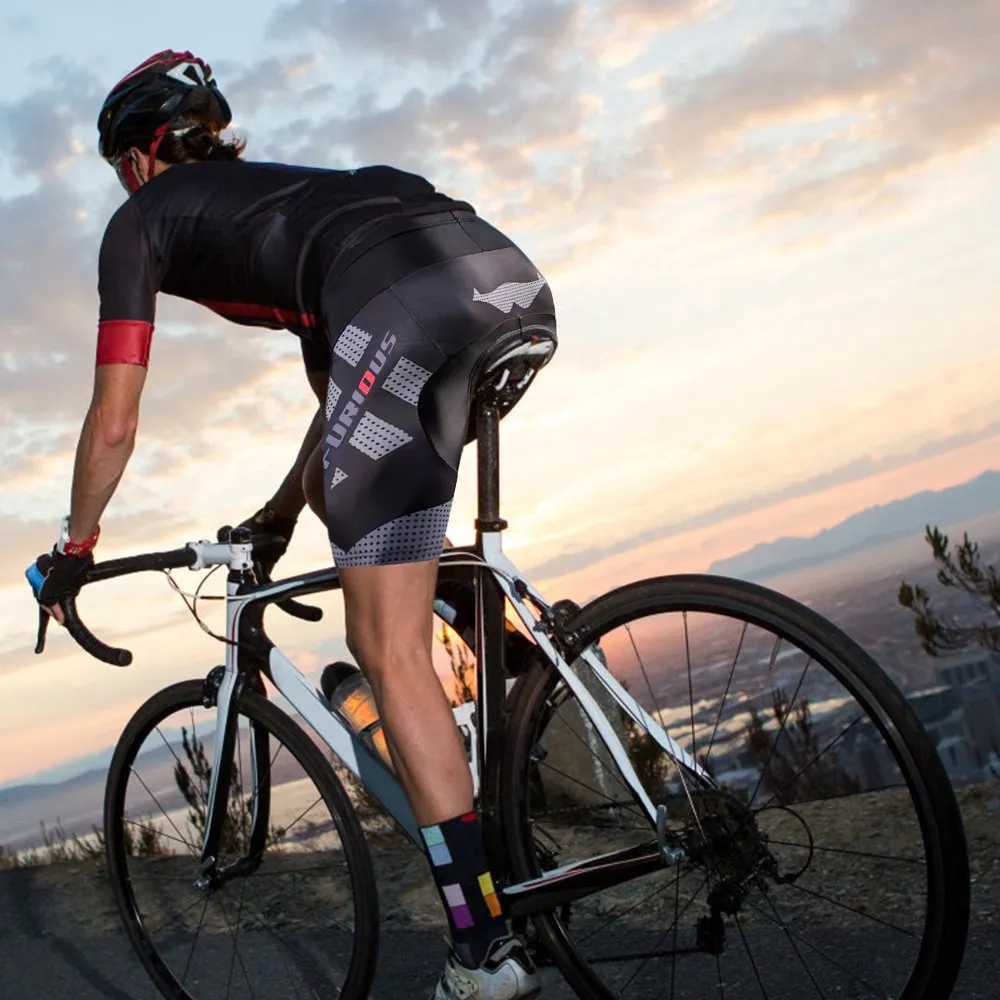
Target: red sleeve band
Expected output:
[124,342]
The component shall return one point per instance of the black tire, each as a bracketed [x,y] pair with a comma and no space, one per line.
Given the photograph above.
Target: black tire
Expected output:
[934,973]
[260,713]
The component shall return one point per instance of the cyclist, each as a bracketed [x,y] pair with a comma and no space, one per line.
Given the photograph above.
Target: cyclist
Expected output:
[389,284]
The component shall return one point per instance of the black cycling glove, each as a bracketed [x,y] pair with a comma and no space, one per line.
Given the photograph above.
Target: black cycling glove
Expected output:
[267,521]
[54,576]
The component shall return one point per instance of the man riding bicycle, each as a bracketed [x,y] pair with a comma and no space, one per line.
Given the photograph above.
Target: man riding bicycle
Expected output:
[389,284]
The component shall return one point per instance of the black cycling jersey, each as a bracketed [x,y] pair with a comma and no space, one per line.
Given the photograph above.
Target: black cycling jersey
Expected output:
[251,241]
[397,291]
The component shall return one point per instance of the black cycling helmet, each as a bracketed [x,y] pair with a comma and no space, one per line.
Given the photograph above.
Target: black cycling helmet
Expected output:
[166,88]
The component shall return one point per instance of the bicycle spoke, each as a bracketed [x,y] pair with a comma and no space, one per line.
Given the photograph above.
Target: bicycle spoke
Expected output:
[791,941]
[753,964]
[798,774]
[177,916]
[725,694]
[236,949]
[139,825]
[850,909]
[618,916]
[194,944]
[834,796]
[169,746]
[784,719]
[180,836]
[687,658]
[673,957]
[672,929]
[642,667]
[881,994]
[593,791]
[283,946]
[307,809]
[855,854]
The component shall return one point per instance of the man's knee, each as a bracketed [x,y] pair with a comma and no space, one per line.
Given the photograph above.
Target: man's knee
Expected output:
[385,660]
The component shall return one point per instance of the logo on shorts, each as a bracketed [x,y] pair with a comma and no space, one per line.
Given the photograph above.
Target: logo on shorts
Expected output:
[345,419]
[504,297]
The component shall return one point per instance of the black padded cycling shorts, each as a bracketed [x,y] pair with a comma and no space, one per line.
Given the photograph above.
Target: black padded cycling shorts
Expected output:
[409,318]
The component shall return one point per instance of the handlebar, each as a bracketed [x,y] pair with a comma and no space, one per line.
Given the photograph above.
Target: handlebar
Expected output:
[191,555]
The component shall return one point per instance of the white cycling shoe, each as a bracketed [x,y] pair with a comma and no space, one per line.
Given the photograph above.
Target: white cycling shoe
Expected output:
[507,973]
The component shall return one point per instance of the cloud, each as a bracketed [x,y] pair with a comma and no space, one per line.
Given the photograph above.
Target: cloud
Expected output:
[646,14]
[37,131]
[824,114]
[249,89]
[416,30]
[888,89]
[492,133]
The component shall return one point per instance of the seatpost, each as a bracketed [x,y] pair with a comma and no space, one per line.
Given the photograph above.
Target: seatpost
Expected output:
[488,449]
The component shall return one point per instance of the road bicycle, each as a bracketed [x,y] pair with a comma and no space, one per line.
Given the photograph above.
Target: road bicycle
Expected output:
[772,821]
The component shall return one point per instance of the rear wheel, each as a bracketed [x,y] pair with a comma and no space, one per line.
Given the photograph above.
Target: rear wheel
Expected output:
[290,913]
[828,860]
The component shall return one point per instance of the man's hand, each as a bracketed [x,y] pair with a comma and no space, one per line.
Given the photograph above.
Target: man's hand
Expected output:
[54,576]
[266,521]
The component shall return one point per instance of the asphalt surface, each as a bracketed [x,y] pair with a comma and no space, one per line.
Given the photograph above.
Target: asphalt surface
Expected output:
[48,950]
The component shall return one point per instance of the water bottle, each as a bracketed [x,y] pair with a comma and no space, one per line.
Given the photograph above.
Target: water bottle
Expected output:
[351,698]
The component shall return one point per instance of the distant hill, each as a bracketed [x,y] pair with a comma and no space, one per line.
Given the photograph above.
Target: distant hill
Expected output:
[867,528]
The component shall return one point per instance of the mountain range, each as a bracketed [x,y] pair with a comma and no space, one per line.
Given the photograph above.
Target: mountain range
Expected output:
[869,527]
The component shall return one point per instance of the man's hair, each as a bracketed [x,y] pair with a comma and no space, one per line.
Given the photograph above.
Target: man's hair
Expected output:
[200,143]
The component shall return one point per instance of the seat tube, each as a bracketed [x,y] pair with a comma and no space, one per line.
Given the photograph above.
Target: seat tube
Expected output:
[489,630]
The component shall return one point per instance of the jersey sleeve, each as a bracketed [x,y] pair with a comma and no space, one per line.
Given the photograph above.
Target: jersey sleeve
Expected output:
[127,283]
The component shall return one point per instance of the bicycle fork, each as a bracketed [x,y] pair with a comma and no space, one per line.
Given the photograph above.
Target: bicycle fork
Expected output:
[225,686]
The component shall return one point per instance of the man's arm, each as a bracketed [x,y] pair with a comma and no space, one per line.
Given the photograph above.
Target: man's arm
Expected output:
[291,496]
[105,445]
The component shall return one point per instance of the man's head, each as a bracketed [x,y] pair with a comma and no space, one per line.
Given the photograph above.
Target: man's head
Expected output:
[168,109]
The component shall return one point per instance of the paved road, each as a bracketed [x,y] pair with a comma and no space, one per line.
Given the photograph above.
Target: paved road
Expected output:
[48,949]
[44,952]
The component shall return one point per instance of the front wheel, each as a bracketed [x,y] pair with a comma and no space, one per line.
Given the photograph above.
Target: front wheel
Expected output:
[289,909]
[826,855]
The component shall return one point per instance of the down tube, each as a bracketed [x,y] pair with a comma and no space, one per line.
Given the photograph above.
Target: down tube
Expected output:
[365,765]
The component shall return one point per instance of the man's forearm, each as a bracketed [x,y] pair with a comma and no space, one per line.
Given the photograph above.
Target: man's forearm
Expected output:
[289,498]
[101,457]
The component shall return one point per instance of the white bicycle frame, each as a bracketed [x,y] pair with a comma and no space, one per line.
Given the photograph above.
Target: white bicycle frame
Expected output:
[365,764]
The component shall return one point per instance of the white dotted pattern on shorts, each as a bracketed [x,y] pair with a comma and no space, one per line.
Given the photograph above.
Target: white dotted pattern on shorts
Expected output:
[410,538]
[376,437]
[338,477]
[406,380]
[351,344]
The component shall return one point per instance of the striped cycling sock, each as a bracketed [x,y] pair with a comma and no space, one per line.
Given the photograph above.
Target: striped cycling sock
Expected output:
[458,863]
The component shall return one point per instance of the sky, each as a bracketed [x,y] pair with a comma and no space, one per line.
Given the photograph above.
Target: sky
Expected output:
[769,227]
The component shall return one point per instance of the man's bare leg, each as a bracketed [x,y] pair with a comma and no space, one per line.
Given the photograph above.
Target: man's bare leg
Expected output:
[390,632]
